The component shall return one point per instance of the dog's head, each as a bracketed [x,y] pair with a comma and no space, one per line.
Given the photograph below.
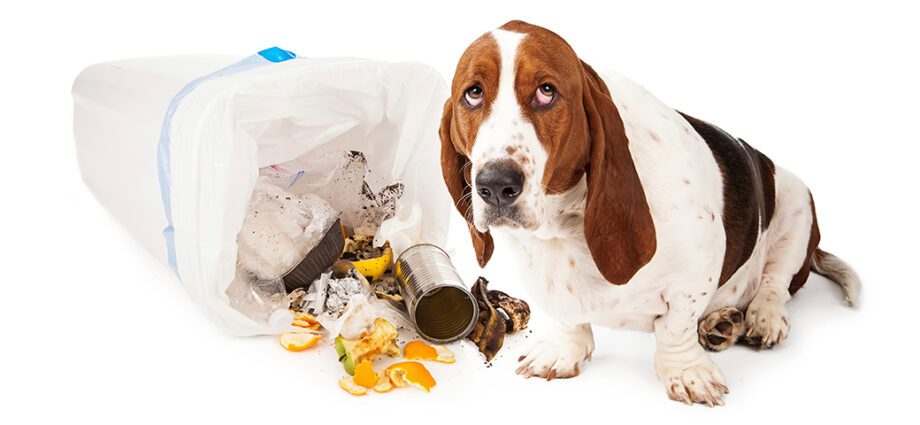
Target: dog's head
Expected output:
[527,120]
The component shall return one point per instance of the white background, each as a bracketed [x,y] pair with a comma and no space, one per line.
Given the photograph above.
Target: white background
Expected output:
[94,329]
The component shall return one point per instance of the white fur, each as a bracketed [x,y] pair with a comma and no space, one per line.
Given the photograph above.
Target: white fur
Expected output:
[837,270]
[506,127]
[683,186]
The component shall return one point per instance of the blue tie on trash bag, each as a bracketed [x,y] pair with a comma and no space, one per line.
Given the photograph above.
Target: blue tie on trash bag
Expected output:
[264,57]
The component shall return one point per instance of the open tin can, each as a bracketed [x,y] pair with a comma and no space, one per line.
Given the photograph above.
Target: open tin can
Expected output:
[439,304]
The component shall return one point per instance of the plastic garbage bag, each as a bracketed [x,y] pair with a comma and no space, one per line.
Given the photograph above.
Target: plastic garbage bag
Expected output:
[243,115]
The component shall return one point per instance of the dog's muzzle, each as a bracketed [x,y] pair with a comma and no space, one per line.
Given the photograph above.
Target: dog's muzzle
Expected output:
[499,183]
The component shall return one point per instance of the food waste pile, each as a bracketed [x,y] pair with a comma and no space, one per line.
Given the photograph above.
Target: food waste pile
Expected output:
[311,266]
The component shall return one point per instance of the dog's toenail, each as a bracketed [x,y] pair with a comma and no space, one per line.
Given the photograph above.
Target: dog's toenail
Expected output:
[723,327]
[715,339]
[754,340]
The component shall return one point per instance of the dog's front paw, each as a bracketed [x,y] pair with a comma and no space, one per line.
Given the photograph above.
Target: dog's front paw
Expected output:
[767,322]
[558,357]
[701,382]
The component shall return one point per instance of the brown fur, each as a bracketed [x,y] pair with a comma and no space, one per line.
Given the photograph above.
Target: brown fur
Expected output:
[480,64]
[748,192]
[583,135]
[799,279]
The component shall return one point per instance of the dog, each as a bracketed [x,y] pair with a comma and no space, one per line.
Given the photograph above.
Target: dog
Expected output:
[628,213]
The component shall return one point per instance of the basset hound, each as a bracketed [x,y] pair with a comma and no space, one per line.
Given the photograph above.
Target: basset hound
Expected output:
[627,213]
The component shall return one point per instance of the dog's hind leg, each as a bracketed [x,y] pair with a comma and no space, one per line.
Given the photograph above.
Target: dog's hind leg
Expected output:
[792,239]
[721,328]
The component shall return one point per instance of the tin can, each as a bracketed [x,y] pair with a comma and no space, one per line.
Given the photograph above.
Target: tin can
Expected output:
[439,304]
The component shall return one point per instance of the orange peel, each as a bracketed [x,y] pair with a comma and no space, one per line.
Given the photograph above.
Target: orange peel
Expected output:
[418,350]
[348,384]
[383,382]
[306,321]
[365,375]
[411,373]
[298,341]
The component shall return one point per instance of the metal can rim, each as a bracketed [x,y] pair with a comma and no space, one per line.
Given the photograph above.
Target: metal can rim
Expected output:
[466,331]
[407,250]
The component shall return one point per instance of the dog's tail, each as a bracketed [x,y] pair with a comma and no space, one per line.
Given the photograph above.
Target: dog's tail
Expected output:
[835,269]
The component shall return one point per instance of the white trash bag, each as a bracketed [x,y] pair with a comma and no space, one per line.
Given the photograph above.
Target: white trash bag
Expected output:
[177,143]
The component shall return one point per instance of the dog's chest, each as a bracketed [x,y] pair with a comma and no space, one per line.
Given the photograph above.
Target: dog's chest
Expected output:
[563,280]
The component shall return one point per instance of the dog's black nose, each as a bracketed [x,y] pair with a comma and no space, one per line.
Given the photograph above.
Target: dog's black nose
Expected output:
[499,184]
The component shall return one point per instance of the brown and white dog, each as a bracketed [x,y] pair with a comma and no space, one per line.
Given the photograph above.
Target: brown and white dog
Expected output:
[628,213]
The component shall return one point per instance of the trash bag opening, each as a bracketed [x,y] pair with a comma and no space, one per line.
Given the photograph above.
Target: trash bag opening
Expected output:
[284,122]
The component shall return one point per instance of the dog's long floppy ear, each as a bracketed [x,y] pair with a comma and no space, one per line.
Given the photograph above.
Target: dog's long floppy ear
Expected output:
[618,223]
[456,170]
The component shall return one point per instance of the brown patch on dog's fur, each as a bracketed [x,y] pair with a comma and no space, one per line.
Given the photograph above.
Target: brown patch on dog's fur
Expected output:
[799,279]
[479,65]
[583,134]
[543,57]
[748,190]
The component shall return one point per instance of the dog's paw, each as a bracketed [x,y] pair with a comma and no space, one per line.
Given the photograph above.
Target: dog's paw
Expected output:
[721,328]
[560,357]
[700,383]
[767,323]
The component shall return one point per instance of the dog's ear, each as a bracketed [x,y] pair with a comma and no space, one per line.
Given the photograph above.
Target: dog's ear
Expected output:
[618,223]
[456,169]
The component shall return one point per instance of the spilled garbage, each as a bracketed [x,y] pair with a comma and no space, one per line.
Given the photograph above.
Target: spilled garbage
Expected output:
[499,314]
[310,267]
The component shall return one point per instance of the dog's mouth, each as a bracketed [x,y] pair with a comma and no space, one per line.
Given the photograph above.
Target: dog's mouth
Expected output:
[511,216]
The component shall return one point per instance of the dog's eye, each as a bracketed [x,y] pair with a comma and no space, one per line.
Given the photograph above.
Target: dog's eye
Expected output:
[544,95]
[473,96]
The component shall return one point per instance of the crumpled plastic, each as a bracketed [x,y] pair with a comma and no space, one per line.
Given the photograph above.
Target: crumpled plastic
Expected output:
[402,230]
[344,180]
[280,228]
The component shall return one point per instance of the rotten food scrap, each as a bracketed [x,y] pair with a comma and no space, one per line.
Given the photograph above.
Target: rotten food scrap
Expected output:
[306,321]
[297,300]
[387,288]
[418,350]
[398,375]
[298,341]
[516,311]
[365,375]
[411,373]
[499,314]
[382,340]
[348,384]
[372,262]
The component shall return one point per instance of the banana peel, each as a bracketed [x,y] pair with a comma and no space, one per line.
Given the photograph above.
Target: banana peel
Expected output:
[499,314]
[382,340]
[490,329]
